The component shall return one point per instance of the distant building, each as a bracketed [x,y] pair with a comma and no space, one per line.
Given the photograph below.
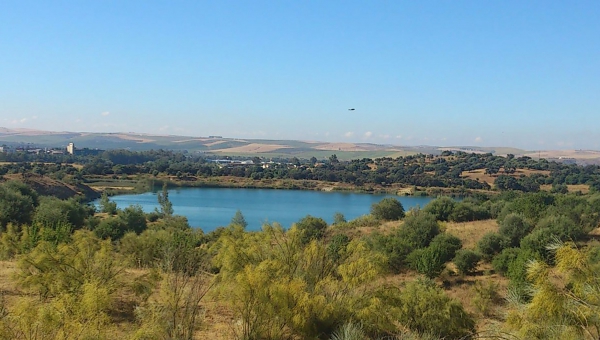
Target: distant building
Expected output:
[215,136]
[71,149]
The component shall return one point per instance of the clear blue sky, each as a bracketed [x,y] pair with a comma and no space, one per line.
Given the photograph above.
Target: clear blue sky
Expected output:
[485,73]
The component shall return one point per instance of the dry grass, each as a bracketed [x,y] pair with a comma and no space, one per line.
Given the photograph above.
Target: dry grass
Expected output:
[254,148]
[7,269]
[480,174]
[576,154]
[583,188]
[471,232]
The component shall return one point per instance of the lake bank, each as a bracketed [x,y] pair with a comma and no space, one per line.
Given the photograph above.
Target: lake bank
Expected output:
[140,184]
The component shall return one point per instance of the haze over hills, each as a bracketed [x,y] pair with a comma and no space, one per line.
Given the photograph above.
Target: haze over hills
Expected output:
[220,145]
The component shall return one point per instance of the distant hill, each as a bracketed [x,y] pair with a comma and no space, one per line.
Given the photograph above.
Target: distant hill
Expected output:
[258,147]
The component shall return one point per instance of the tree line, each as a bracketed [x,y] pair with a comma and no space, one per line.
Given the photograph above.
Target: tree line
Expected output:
[444,171]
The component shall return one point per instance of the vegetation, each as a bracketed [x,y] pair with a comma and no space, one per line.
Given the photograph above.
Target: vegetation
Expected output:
[430,273]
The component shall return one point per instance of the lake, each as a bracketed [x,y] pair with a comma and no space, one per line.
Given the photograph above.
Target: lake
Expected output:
[209,208]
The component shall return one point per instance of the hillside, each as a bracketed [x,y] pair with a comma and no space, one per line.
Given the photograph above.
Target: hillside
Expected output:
[223,146]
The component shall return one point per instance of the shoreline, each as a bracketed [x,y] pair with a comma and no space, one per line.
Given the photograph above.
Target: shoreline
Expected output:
[132,185]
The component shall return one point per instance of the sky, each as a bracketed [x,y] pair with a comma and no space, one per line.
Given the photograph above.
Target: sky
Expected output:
[523,74]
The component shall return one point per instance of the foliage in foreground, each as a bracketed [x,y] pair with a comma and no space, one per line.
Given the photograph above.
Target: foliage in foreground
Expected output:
[565,303]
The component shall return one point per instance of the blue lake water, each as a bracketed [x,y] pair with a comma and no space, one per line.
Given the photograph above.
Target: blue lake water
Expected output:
[209,208]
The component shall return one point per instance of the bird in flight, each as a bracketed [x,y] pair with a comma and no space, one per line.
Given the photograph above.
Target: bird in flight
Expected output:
[351,109]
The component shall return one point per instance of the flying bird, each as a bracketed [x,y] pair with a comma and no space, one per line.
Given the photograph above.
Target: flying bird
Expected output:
[351,109]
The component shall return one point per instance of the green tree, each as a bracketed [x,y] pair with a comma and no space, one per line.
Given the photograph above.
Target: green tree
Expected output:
[166,207]
[388,209]
[134,218]
[17,204]
[338,218]
[106,206]
[394,247]
[312,228]
[441,208]
[447,245]
[53,211]
[239,219]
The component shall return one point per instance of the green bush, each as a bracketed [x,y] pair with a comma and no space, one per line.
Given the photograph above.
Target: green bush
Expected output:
[446,245]
[425,308]
[502,261]
[312,228]
[491,244]
[466,261]
[427,261]
[419,228]
[514,228]
[394,247]
[388,209]
[441,208]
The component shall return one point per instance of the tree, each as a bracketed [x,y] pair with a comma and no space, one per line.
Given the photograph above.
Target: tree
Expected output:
[106,206]
[338,218]
[166,207]
[134,218]
[17,204]
[239,219]
[312,228]
[175,312]
[388,209]
[447,245]
[441,208]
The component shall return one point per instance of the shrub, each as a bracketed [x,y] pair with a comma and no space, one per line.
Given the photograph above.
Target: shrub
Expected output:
[388,209]
[419,228]
[514,227]
[425,308]
[427,261]
[446,245]
[349,331]
[394,247]
[491,244]
[486,296]
[502,261]
[441,208]
[466,261]
[312,228]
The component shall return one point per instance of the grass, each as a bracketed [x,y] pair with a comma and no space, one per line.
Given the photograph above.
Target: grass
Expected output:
[471,232]
[480,175]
